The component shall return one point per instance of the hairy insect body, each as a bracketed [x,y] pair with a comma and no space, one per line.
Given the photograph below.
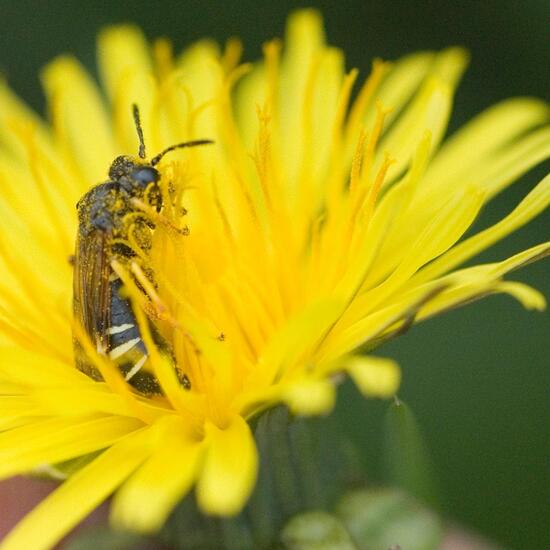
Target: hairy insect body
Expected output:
[106,218]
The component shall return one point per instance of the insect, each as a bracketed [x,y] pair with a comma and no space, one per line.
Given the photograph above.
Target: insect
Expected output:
[98,305]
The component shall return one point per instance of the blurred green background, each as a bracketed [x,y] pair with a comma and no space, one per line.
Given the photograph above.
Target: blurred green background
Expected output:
[478,379]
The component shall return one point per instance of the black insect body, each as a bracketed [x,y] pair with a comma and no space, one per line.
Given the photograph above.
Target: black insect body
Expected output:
[103,236]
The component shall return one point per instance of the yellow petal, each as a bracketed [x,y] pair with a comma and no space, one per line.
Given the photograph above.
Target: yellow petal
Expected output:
[400,84]
[518,260]
[91,398]
[148,497]
[402,311]
[306,62]
[511,163]
[7,388]
[374,376]
[58,513]
[478,281]
[59,439]
[501,169]
[440,234]
[229,470]
[251,90]
[386,221]
[13,109]
[24,367]
[79,118]
[11,422]
[201,75]
[122,51]
[17,405]
[488,132]
[528,297]
[290,344]
[532,205]
[136,89]
[429,110]
[310,397]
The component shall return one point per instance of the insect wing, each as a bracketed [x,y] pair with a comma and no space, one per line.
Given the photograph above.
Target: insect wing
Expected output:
[92,288]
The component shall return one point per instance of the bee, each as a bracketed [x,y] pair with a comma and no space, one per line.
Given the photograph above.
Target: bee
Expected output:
[98,304]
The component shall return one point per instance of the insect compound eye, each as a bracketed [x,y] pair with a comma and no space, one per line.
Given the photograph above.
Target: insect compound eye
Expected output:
[145,175]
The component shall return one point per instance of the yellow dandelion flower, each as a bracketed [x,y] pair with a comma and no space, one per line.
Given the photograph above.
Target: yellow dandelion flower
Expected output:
[313,225]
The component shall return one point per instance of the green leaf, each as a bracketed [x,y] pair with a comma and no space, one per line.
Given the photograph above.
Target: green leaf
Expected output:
[316,531]
[387,518]
[407,460]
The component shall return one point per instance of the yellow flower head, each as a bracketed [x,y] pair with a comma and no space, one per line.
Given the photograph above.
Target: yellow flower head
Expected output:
[312,225]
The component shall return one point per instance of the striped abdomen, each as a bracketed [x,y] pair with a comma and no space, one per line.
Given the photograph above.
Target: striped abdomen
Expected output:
[124,343]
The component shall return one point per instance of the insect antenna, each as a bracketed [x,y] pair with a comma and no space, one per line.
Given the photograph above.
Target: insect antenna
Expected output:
[135,111]
[194,143]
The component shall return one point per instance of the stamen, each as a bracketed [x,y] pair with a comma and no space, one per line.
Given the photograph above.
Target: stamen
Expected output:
[368,158]
[357,161]
[357,112]
[232,54]
[134,243]
[336,167]
[367,207]
[159,218]
[262,154]
[161,308]
[361,190]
